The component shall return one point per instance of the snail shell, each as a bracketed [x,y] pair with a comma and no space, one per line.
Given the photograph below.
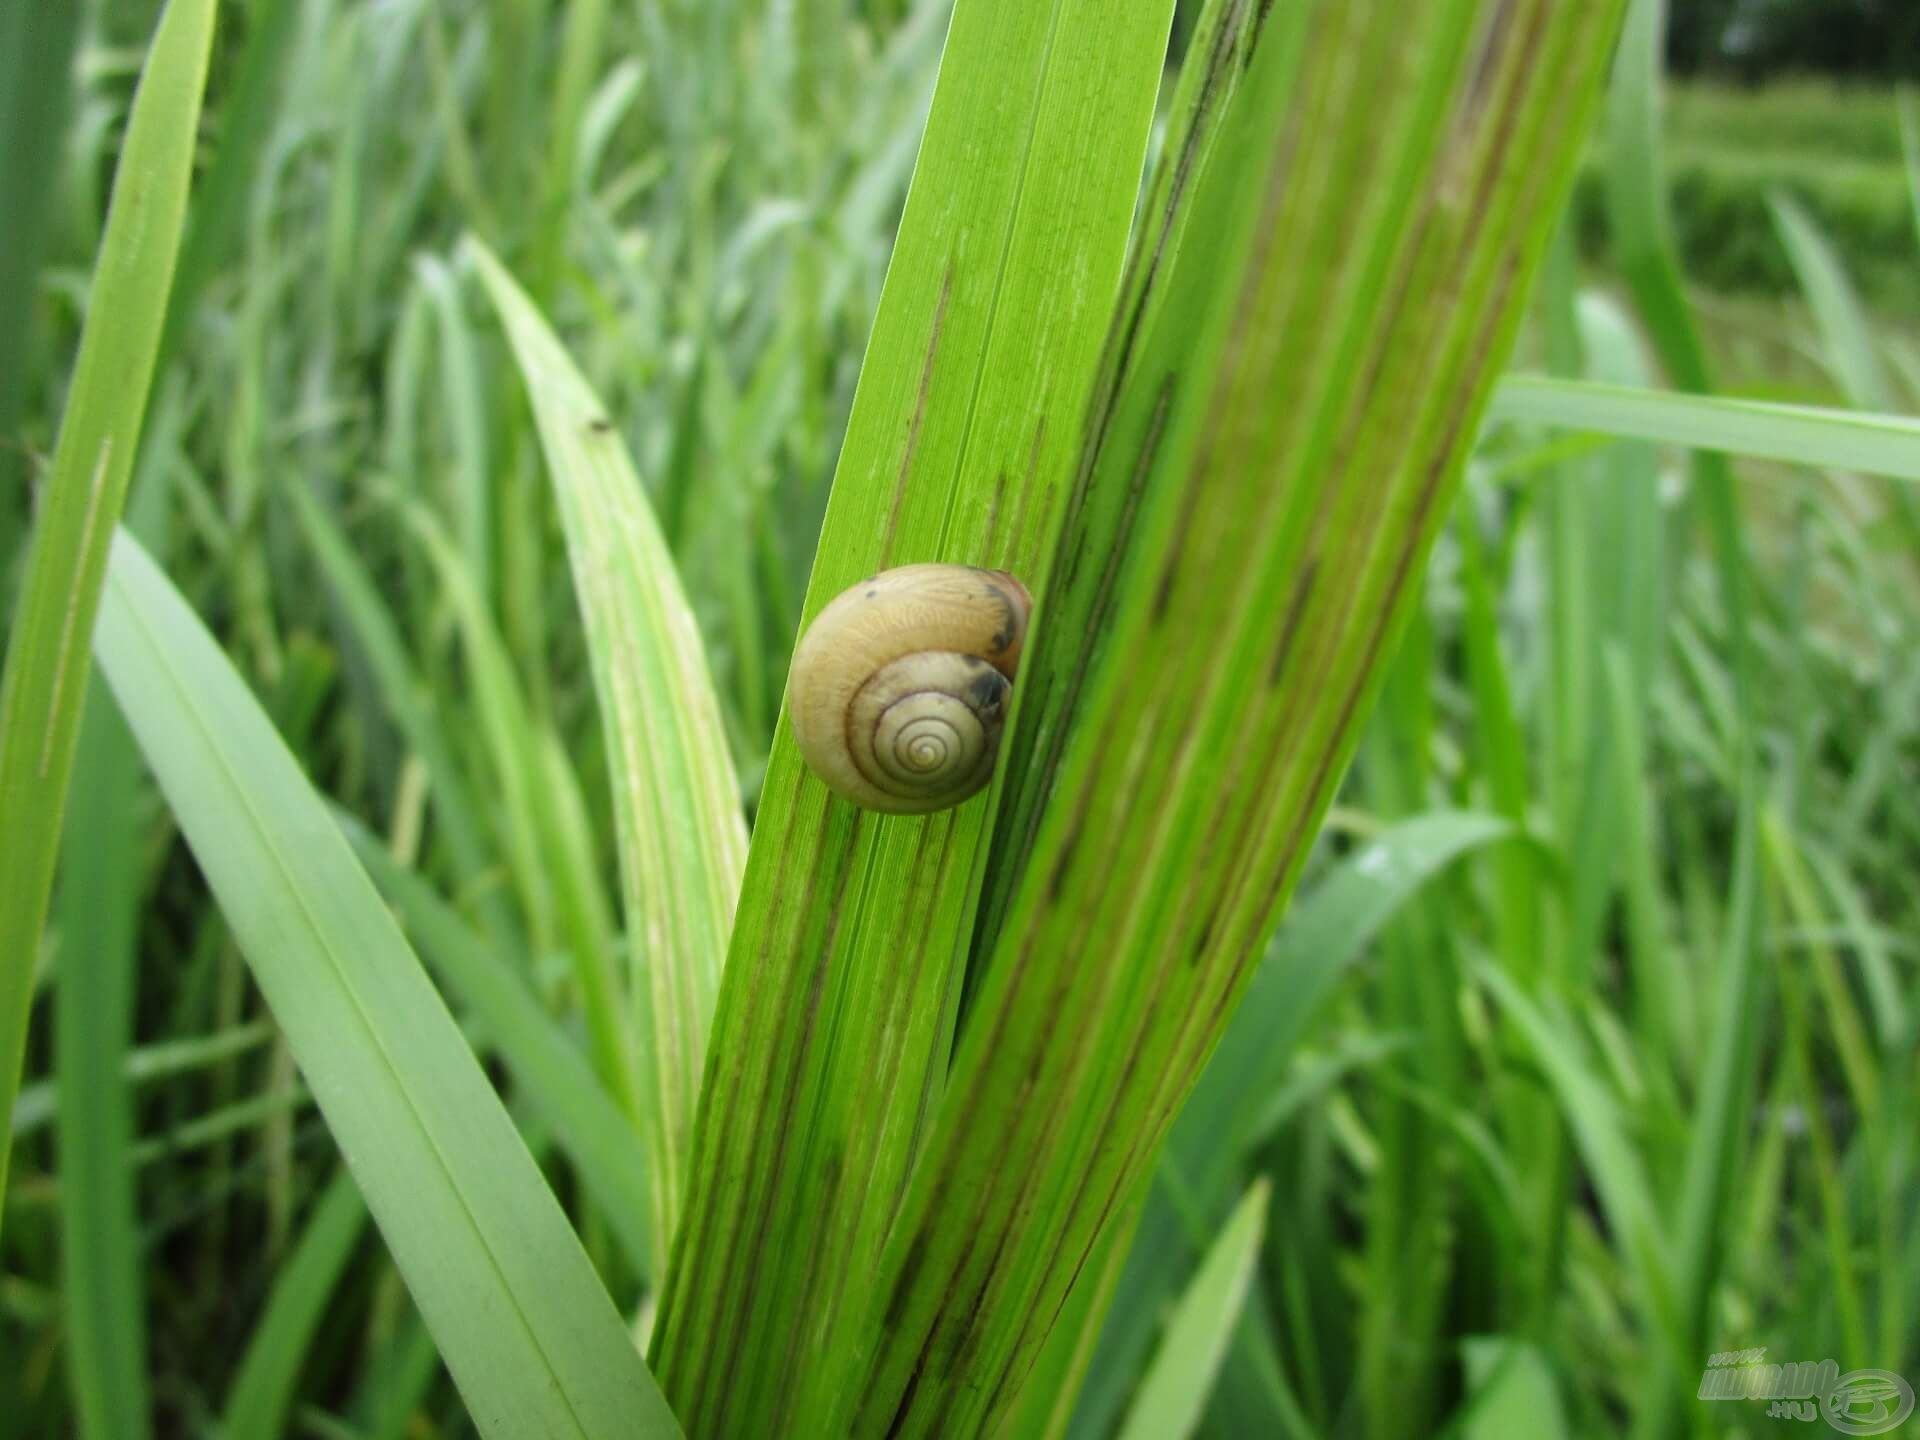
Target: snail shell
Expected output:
[900,686]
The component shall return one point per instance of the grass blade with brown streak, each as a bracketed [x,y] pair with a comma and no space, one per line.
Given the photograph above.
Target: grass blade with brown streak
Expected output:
[1276,465]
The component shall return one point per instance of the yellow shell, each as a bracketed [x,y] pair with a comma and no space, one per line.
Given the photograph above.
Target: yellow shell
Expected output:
[900,685]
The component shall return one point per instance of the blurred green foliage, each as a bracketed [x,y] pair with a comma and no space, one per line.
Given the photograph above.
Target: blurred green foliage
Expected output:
[1754,38]
[1835,149]
[706,217]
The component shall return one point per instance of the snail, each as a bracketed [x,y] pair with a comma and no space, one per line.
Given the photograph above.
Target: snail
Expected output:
[900,686]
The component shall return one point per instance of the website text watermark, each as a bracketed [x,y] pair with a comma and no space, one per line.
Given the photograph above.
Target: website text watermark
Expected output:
[1860,1402]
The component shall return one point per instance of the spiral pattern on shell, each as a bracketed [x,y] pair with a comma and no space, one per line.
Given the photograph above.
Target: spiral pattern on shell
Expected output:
[901,684]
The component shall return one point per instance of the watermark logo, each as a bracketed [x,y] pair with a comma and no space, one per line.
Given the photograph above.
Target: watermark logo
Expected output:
[1860,1402]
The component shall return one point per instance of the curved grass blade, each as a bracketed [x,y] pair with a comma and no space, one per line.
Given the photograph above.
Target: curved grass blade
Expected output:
[1248,1078]
[263,1389]
[1797,434]
[526,1329]
[683,839]
[1173,1394]
[1728,1069]
[1845,331]
[1314,949]
[541,804]
[506,726]
[45,682]
[1619,1177]
[1513,1390]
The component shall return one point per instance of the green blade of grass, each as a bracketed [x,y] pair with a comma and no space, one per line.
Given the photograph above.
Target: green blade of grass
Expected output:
[505,724]
[1910,148]
[1728,1070]
[1846,333]
[1878,977]
[406,698]
[1647,256]
[39,1103]
[45,683]
[407,1372]
[557,879]
[1247,1079]
[529,1334]
[256,1112]
[1729,1079]
[590,1128]
[1259,506]
[263,1388]
[1501,751]
[1046,1408]
[1321,939]
[470,498]
[1412,991]
[103,1282]
[1513,1391]
[579,58]
[1217,61]
[1173,1393]
[1620,1179]
[1639,215]
[1662,990]
[1797,434]
[36,82]
[1854,1062]
[833,1025]
[247,115]
[677,807]
[1313,1080]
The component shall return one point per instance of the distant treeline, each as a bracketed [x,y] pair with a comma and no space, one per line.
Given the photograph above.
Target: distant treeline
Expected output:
[1753,39]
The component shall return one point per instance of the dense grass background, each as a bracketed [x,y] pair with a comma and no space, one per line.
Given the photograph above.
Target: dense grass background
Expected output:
[1834,147]
[1503,1057]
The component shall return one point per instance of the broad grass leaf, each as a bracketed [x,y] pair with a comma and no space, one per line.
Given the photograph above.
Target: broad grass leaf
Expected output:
[522,1321]
[559,1086]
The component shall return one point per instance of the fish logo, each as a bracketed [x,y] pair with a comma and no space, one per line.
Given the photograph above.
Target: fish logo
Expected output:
[1867,1402]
